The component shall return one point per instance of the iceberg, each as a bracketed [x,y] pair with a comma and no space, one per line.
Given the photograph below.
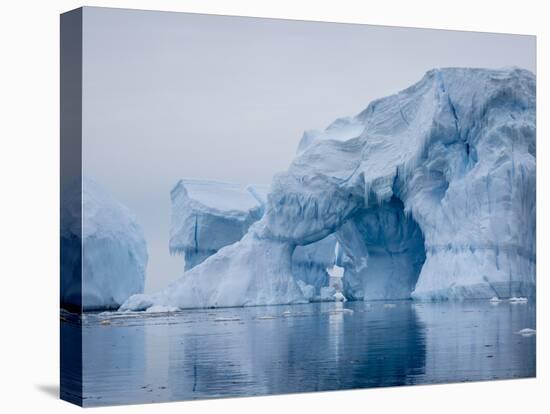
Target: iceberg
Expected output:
[114,252]
[208,215]
[434,199]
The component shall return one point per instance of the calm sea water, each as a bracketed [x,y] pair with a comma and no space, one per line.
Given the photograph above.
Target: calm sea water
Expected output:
[302,348]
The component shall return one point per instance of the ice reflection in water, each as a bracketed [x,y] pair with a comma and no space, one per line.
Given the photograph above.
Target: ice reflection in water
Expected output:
[282,349]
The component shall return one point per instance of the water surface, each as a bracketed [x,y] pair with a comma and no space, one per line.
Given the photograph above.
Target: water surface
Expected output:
[138,358]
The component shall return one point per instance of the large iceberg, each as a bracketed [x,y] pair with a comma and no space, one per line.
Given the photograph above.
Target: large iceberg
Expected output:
[434,199]
[114,252]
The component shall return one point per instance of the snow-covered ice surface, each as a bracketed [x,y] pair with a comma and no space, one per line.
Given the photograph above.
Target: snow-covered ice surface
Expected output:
[114,252]
[434,199]
[342,129]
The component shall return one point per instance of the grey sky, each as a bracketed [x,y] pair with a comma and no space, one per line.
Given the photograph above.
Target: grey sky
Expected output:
[175,95]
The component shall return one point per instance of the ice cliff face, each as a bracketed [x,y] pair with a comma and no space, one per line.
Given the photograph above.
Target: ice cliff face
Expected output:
[434,199]
[114,252]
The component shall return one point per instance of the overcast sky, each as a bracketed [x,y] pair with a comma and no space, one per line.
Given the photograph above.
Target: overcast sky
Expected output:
[175,95]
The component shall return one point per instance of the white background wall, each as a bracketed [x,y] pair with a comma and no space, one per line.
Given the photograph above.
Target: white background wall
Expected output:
[29,160]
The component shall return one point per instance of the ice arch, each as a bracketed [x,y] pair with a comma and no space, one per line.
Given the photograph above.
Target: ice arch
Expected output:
[384,252]
[457,149]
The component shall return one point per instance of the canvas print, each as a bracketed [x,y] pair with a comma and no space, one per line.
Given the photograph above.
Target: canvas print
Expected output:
[260,206]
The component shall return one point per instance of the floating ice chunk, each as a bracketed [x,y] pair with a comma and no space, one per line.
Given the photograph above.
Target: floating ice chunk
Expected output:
[494,300]
[345,311]
[161,309]
[137,303]
[227,319]
[527,332]
[518,300]
[339,297]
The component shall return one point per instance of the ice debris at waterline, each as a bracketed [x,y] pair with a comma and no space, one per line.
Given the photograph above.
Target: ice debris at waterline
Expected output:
[434,199]
[113,248]
[527,332]
[518,300]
